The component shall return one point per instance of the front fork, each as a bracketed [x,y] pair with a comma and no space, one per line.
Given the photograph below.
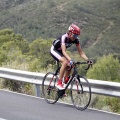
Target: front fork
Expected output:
[79,89]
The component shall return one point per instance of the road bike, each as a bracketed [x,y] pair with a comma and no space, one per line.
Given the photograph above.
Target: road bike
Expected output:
[78,86]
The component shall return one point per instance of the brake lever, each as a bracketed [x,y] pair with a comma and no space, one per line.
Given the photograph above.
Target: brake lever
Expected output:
[89,65]
[72,66]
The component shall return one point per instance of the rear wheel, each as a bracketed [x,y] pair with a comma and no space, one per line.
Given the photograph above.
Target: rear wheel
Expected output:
[49,91]
[80,92]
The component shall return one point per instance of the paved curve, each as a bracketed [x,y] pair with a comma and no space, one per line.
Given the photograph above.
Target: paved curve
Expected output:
[21,107]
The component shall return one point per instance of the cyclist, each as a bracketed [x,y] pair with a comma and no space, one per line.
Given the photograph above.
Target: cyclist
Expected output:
[58,52]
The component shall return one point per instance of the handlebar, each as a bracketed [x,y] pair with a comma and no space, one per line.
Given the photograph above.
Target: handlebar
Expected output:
[75,63]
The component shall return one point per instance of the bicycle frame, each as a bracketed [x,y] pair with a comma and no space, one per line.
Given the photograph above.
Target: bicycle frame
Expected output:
[52,93]
[75,72]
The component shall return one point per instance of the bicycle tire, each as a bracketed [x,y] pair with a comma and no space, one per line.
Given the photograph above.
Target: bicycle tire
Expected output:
[80,93]
[49,91]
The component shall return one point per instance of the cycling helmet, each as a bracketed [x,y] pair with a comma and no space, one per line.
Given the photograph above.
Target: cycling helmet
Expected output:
[74,29]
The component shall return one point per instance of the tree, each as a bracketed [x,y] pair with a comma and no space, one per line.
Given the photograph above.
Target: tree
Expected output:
[106,68]
[6,35]
[23,45]
[35,47]
[40,49]
[10,51]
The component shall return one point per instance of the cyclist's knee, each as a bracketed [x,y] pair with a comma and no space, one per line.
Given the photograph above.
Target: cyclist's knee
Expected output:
[68,67]
[64,62]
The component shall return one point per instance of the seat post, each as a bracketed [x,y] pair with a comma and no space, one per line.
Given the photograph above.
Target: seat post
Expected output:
[57,63]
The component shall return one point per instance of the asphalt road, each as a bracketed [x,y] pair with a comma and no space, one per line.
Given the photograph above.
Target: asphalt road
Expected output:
[15,106]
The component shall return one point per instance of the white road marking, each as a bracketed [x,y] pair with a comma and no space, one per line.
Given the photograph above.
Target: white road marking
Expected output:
[2,119]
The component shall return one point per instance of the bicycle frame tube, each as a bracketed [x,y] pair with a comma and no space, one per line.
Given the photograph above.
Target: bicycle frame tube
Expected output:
[73,75]
[56,72]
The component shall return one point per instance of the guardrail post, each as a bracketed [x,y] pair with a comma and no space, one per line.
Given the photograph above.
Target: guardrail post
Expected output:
[37,90]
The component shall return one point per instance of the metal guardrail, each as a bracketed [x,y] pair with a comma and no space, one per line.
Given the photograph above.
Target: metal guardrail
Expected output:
[97,86]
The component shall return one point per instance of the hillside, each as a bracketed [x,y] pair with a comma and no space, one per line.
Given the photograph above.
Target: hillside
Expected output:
[98,20]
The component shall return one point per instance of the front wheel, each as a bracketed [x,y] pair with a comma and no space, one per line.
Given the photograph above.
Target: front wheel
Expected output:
[49,91]
[80,92]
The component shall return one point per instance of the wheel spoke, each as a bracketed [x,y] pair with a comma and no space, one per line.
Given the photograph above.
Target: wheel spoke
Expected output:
[80,93]
[48,88]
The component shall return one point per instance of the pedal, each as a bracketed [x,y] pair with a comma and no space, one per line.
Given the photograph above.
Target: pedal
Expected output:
[61,93]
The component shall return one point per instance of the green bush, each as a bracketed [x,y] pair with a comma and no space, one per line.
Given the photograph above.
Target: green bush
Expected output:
[106,68]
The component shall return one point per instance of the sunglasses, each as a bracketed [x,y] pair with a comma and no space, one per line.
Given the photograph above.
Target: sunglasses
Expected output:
[75,35]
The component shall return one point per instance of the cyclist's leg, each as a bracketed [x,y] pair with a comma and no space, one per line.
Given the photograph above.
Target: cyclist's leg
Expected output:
[57,55]
[64,64]
[66,75]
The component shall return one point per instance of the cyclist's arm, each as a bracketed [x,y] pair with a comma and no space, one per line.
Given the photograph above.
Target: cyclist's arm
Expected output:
[81,52]
[64,52]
